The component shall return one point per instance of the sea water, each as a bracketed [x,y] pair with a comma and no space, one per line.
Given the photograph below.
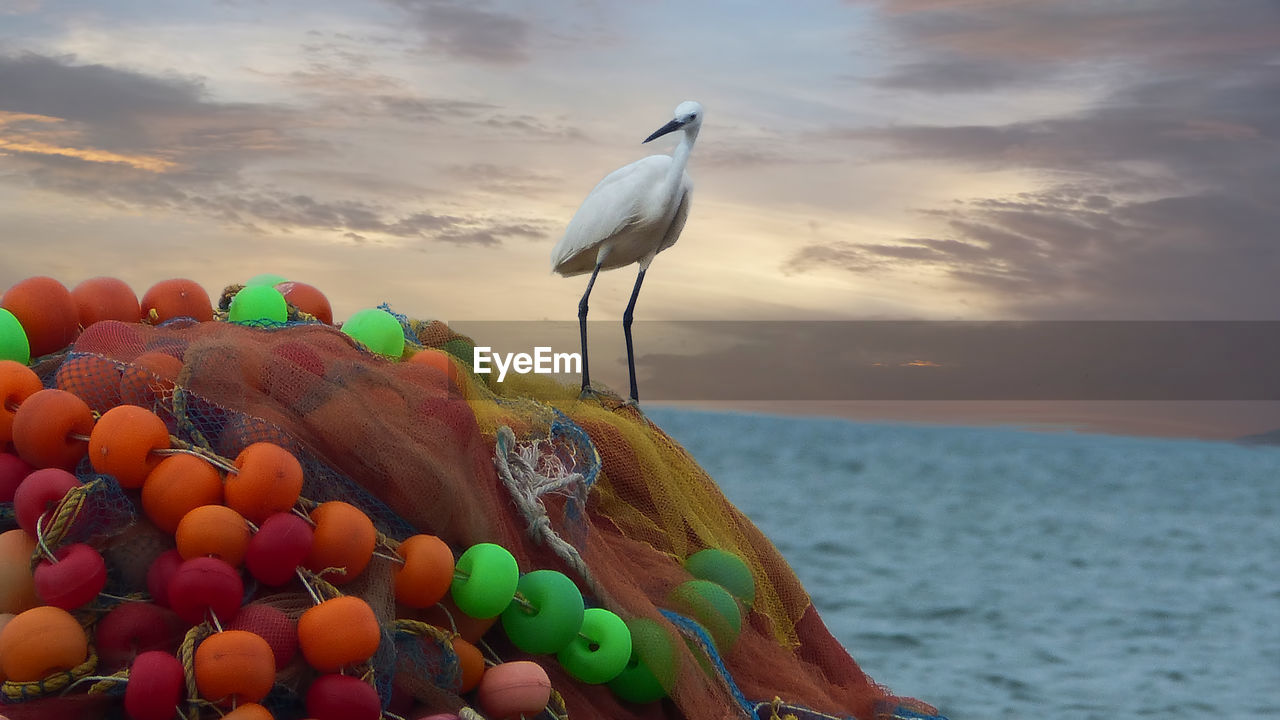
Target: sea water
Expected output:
[1005,574]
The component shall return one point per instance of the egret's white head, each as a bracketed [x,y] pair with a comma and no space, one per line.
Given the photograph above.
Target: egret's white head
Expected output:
[688,117]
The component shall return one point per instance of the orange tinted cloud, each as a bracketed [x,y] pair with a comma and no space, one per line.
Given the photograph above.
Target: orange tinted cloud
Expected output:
[37,141]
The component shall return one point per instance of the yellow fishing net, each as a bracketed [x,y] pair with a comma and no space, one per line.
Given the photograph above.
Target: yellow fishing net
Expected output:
[590,487]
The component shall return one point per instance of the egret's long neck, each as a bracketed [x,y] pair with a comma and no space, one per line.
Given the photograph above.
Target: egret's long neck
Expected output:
[680,158]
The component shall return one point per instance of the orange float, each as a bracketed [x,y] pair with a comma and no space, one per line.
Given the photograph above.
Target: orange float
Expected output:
[470,664]
[338,632]
[344,538]
[176,486]
[46,311]
[17,586]
[40,642]
[440,361]
[95,379]
[427,572]
[149,379]
[105,298]
[178,297]
[4,620]
[213,530]
[249,711]
[308,299]
[45,426]
[234,667]
[123,442]
[17,383]
[268,480]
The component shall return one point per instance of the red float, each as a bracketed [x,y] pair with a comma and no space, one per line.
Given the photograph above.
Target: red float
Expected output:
[279,547]
[156,686]
[342,697]
[73,578]
[204,586]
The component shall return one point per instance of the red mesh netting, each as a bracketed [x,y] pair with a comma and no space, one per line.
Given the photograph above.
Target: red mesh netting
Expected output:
[417,453]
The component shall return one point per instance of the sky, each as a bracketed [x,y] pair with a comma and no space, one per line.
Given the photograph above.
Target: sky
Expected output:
[858,160]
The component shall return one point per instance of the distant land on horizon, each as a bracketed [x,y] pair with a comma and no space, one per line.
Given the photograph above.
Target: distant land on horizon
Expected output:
[1271,437]
[1248,422]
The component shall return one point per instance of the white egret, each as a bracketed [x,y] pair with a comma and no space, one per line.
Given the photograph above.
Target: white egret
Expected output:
[636,212]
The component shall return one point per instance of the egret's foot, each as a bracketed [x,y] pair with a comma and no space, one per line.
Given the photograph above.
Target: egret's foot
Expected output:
[631,405]
[606,399]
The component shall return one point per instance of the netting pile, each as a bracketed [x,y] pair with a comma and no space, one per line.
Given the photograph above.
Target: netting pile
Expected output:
[590,488]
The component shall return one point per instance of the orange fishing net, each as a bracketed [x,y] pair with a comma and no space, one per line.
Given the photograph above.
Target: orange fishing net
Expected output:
[590,488]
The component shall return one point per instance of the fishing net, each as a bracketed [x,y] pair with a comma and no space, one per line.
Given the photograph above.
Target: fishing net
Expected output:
[591,488]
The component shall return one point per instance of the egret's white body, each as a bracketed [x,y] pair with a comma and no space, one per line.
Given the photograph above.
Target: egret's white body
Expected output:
[633,214]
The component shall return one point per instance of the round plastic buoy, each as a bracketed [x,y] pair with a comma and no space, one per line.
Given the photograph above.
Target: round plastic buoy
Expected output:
[202,586]
[40,642]
[651,669]
[713,607]
[234,666]
[156,686]
[342,697]
[74,579]
[13,339]
[377,330]
[278,549]
[258,303]
[427,572]
[338,632]
[514,689]
[726,570]
[485,580]
[600,650]
[554,617]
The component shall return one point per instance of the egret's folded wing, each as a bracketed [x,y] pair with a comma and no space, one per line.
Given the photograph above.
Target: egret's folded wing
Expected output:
[611,208]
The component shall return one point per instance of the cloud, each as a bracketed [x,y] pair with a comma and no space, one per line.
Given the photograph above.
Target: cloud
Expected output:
[19,7]
[42,135]
[504,179]
[1160,199]
[121,110]
[470,32]
[528,126]
[959,75]
[738,153]
[127,139]
[980,45]
[416,109]
[344,77]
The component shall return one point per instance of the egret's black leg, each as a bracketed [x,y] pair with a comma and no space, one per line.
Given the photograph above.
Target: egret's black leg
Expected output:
[626,330]
[582,327]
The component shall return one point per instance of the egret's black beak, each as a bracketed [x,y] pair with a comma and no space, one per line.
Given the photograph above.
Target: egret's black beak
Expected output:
[669,127]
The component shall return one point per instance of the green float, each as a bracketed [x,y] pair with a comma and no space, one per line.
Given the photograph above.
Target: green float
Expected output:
[713,607]
[484,581]
[725,569]
[600,649]
[377,330]
[650,673]
[13,339]
[258,303]
[546,615]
